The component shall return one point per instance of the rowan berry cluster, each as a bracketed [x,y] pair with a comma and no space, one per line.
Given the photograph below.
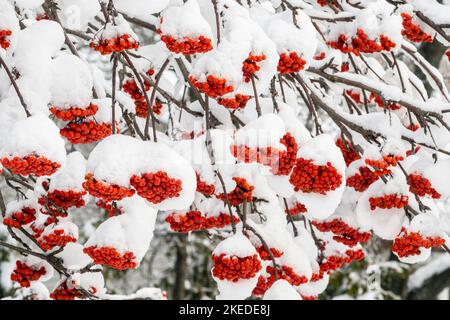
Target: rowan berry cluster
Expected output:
[204,188]
[422,186]
[111,209]
[409,243]
[31,164]
[297,209]
[86,132]
[142,107]
[104,190]
[24,274]
[196,220]
[109,256]
[413,31]
[286,273]
[390,105]
[4,42]
[239,101]
[242,191]
[343,233]
[64,199]
[213,87]
[232,268]
[117,44]
[63,292]
[355,96]
[360,43]
[290,63]
[362,180]
[250,66]
[264,254]
[385,162]
[348,152]
[186,45]
[156,186]
[388,201]
[74,112]
[308,177]
[20,218]
[57,238]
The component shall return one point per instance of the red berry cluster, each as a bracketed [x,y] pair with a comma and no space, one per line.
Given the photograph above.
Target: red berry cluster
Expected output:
[286,273]
[232,268]
[131,87]
[111,257]
[290,63]
[242,191]
[24,274]
[390,105]
[413,31]
[118,44]
[250,66]
[142,107]
[204,188]
[213,87]
[63,292]
[239,101]
[345,67]
[343,233]
[348,152]
[105,191]
[39,229]
[297,209]
[320,56]
[156,186]
[74,112]
[332,263]
[196,220]
[413,127]
[309,177]
[55,239]
[4,42]
[355,96]
[409,243]
[281,162]
[264,254]
[20,218]
[109,207]
[32,164]
[362,180]
[388,201]
[361,43]
[64,199]
[422,186]
[187,46]
[385,162]
[86,132]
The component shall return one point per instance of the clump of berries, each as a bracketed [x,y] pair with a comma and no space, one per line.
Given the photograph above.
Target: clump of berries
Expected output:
[290,63]
[239,101]
[104,190]
[388,201]
[24,274]
[360,43]
[20,218]
[111,257]
[409,243]
[233,268]
[413,31]
[242,192]
[422,186]
[4,42]
[74,112]
[250,66]
[308,177]
[343,233]
[86,132]
[117,44]
[186,45]
[31,164]
[214,86]
[157,186]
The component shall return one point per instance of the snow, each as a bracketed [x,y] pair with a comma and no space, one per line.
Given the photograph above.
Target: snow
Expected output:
[71,175]
[281,290]
[236,245]
[130,232]
[140,8]
[71,84]
[76,14]
[185,21]
[434,267]
[35,135]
